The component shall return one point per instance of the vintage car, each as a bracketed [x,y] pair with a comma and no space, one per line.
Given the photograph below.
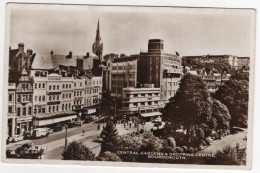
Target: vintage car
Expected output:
[17,138]
[49,130]
[40,132]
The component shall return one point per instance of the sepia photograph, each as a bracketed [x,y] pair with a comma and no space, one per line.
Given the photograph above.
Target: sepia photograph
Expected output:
[128,86]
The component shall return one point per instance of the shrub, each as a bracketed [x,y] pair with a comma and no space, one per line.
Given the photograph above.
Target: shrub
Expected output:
[185,149]
[171,142]
[190,150]
[108,156]
[179,150]
[77,151]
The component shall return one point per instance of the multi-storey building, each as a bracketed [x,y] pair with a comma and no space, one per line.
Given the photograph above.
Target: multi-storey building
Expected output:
[144,100]
[231,60]
[11,109]
[24,103]
[159,68]
[211,80]
[120,72]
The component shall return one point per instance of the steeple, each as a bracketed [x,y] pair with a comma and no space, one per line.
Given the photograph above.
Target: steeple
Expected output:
[98,38]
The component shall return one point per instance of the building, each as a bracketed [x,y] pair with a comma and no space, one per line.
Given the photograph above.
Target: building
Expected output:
[161,69]
[211,79]
[64,92]
[144,100]
[11,109]
[231,60]
[243,63]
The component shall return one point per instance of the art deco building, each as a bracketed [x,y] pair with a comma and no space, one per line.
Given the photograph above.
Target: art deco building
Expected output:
[159,68]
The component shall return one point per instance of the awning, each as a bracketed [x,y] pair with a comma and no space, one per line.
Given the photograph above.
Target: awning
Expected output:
[54,120]
[151,114]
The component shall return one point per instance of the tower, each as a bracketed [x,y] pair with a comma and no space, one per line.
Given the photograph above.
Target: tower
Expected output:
[97,47]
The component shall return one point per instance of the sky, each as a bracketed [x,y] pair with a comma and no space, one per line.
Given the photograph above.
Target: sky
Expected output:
[127,29]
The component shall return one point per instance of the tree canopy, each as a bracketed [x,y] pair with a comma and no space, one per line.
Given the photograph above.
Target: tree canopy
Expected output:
[234,94]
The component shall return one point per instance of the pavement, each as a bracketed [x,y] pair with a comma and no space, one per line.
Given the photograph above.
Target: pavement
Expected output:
[231,140]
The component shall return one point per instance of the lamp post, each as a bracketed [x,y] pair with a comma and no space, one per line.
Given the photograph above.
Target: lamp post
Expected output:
[66,139]
[35,114]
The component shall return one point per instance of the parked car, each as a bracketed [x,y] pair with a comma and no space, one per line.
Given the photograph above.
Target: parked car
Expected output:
[17,138]
[26,151]
[158,126]
[40,132]
[49,130]
[79,123]
[27,135]
[57,128]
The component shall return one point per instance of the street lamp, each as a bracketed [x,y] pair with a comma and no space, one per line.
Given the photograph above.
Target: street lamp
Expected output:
[35,114]
[66,139]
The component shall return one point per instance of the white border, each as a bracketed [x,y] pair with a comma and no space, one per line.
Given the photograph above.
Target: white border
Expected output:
[189,3]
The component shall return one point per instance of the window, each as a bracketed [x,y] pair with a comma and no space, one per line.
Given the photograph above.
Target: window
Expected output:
[19,112]
[57,108]
[30,111]
[30,98]
[40,98]
[54,87]
[63,85]
[43,98]
[50,87]
[142,103]
[66,85]
[49,109]
[19,98]
[81,84]
[24,111]
[62,107]
[39,85]
[70,95]
[53,108]
[49,98]
[67,95]
[143,95]
[10,109]
[10,98]
[58,87]
[69,105]
[66,107]
[53,98]
[135,104]
[135,95]
[57,97]
[35,85]
[39,110]
[43,85]
[75,84]
[149,103]
[43,110]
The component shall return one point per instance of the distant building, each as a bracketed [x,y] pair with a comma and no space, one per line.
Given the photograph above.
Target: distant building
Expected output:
[159,68]
[228,59]
[144,100]
[211,80]
[12,115]
[243,63]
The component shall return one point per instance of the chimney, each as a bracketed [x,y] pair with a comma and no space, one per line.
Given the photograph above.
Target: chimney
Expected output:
[21,47]
[69,55]
[29,52]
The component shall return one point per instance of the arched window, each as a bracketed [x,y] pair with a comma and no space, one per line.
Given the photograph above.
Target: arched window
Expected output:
[10,98]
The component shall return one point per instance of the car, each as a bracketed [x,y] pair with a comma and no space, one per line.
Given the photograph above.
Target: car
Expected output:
[79,123]
[158,126]
[40,132]
[27,135]
[49,130]
[17,138]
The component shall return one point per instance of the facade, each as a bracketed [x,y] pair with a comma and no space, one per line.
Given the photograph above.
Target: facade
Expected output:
[159,68]
[243,63]
[144,100]
[211,80]
[120,72]
[24,103]
[11,109]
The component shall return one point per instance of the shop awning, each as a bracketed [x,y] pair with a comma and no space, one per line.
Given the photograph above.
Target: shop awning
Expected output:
[151,114]
[54,120]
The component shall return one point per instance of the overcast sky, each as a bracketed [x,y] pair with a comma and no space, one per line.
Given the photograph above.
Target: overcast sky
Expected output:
[127,30]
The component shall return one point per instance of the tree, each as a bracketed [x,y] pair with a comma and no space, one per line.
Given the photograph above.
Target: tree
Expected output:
[234,94]
[77,151]
[108,156]
[108,134]
[191,105]
[221,113]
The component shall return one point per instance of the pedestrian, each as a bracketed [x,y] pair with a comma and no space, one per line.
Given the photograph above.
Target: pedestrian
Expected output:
[130,124]
[83,132]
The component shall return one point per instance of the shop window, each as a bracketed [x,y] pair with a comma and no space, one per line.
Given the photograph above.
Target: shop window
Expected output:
[10,109]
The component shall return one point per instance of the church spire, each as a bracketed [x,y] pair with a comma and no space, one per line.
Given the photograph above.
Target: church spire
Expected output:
[98,38]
